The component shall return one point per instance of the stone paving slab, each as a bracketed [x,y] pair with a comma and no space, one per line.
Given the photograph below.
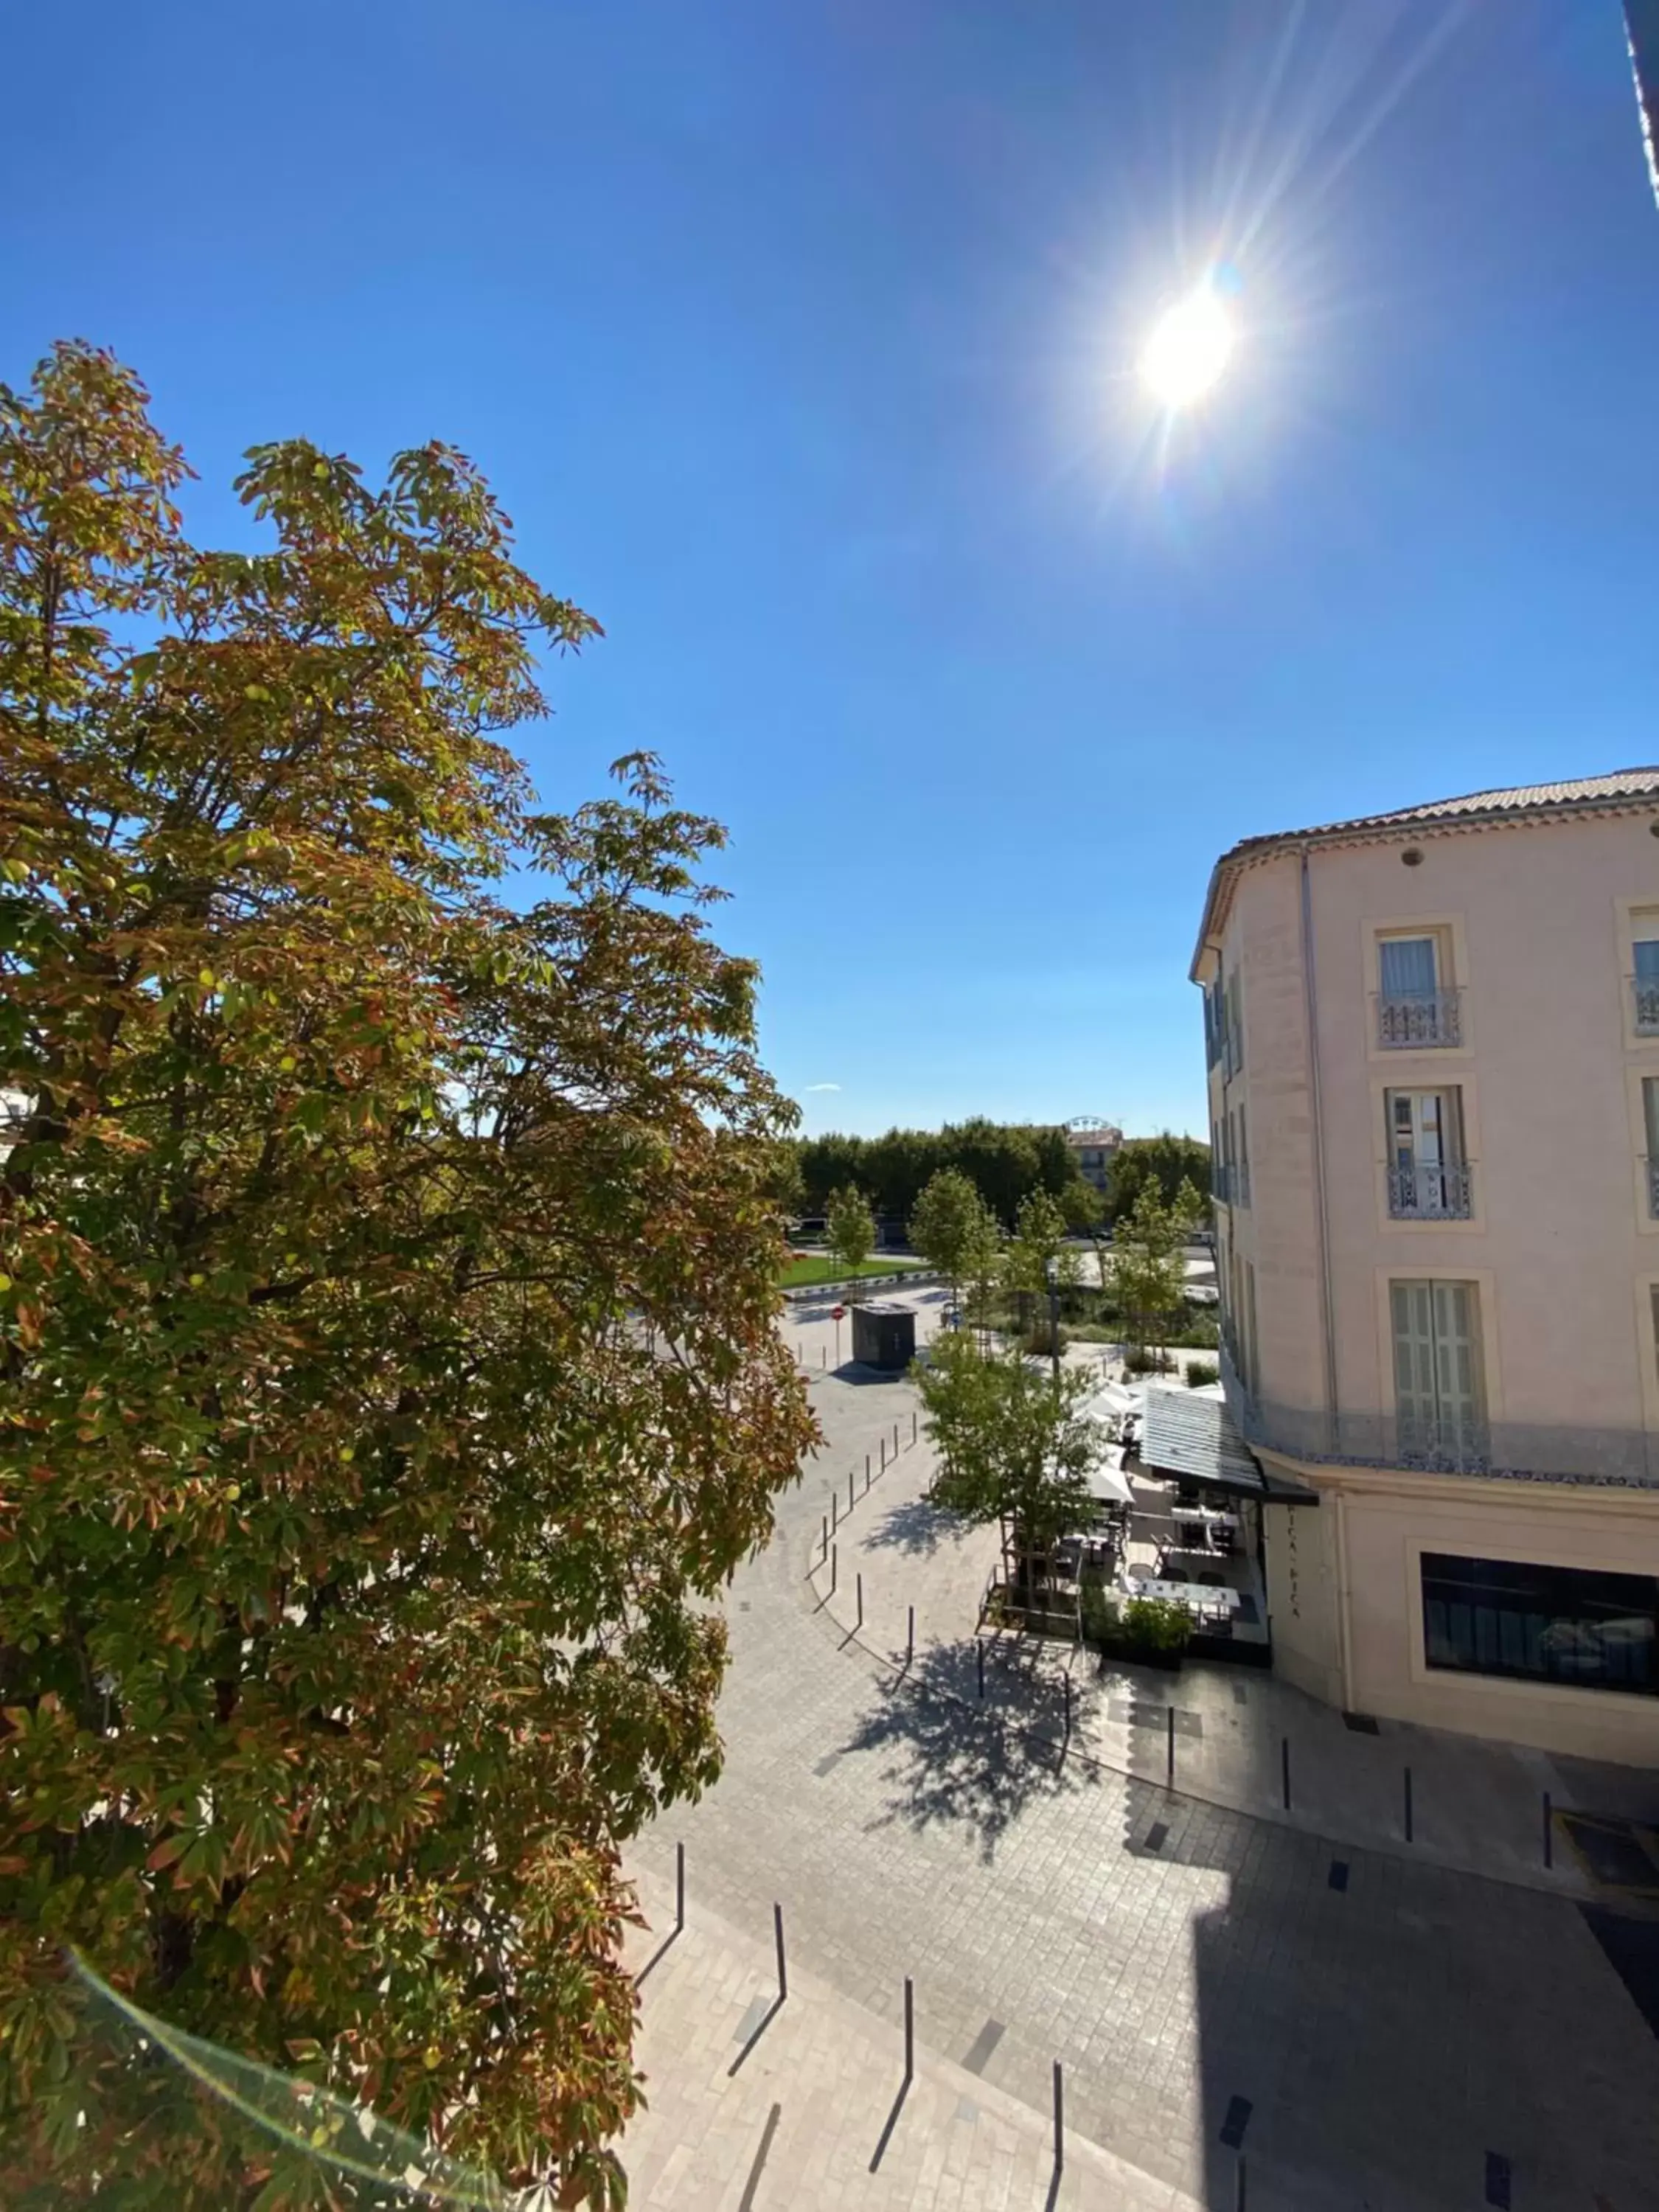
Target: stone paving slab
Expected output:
[1195,1969]
[817,2098]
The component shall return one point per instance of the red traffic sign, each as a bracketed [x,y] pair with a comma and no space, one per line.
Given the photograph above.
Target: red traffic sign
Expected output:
[837,1313]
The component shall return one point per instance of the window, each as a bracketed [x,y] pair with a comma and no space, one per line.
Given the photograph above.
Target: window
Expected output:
[1235,1022]
[1428,1175]
[1212,1023]
[1439,1394]
[1416,1004]
[1644,964]
[1650,1123]
[1409,966]
[1242,1159]
[1541,1624]
[1252,1350]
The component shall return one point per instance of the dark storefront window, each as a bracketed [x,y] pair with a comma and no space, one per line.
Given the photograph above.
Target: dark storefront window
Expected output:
[1569,1625]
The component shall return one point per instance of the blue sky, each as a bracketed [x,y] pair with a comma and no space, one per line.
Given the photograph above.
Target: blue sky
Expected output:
[798,340]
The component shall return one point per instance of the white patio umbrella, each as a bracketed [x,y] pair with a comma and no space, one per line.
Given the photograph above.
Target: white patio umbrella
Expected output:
[1109,1485]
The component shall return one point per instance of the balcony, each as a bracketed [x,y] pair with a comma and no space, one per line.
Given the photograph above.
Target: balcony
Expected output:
[1420,1020]
[1448,1446]
[1436,1191]
[1576,1452]
[1644,994]
[1652,1167]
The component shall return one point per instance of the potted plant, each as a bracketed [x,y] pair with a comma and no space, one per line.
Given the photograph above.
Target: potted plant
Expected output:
[1152,1632]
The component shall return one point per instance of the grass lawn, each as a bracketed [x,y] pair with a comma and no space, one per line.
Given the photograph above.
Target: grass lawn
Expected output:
[820,1269]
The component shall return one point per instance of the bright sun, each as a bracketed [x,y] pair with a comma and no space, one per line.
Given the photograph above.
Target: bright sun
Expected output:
[1188,350]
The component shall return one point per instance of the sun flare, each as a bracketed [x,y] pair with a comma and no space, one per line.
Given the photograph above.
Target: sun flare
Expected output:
[1188,351]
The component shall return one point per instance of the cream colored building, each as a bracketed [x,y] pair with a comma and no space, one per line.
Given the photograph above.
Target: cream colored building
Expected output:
[1093,1142]
[1433,1041]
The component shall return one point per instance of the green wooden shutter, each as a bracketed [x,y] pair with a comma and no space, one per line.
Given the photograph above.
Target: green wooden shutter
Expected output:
[1457,1368]
[1413,1364]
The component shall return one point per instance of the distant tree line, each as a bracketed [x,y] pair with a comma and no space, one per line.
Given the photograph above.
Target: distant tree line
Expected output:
[1006,1161]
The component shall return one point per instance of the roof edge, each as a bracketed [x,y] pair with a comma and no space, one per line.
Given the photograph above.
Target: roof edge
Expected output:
[1232,863]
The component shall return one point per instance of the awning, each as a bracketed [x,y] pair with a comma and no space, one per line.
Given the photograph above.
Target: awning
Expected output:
[1189,1437]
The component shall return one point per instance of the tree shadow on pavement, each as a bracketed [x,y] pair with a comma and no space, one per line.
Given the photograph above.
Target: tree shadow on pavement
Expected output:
[949,1761]
[917,1528]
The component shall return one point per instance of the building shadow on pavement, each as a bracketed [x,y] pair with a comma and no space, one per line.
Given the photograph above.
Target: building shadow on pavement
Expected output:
[1391,2036]
[949,1761]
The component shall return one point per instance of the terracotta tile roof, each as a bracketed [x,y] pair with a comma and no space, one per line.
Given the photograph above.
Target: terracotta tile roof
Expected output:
[1623,783]
[1587,792]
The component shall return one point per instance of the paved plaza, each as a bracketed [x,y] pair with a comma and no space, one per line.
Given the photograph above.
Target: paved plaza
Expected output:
[1375,2023]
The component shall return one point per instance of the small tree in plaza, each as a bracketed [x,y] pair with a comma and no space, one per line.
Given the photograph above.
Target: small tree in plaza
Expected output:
[1148,1269]
[1013,1446]
[1038,1248]
[984,1261]
[946,1226]
[850,1229]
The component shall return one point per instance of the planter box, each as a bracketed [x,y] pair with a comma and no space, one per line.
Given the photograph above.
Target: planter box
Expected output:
[1142,1655]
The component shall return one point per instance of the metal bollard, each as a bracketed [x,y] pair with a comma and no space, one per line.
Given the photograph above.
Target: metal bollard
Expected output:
[1169,1758]
[835,1554]
[859,1581]
[1408,1804]
[883,1455]
[910,1638]
[679,1888]
[1060,2119]
[834,1508]
[851,1475]
[1238,2185]
[909,2032]
[783,1977]
[824,1548]
[1549,1838]
[1284,1763]
[913,1428]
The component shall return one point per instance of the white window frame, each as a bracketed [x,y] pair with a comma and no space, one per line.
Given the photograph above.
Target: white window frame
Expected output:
[1451,974]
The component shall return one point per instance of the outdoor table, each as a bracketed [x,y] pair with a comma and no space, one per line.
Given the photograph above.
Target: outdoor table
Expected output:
[1207,1522]
[1197,1597]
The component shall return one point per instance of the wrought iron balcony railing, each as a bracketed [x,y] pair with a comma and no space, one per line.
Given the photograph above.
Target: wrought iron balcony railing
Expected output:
[1644,990]
[1425,1192]
[1419,1019]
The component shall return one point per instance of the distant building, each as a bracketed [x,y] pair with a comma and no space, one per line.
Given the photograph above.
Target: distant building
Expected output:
[1433,1045]
[1092,1142]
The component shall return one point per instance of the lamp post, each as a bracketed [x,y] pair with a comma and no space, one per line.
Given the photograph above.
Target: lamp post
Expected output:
[1051,1270]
